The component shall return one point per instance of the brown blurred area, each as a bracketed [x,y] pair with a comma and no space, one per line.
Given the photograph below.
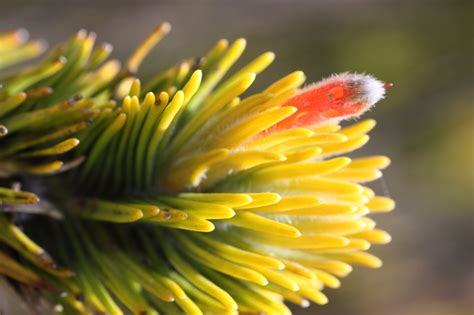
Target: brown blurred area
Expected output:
[426,123]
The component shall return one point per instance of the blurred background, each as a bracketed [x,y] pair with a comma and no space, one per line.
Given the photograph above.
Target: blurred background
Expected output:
[426,123]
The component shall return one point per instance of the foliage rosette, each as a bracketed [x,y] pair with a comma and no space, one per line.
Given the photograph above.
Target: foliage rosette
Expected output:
[181,194]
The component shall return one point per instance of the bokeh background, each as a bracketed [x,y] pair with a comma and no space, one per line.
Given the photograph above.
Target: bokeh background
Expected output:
[426,123]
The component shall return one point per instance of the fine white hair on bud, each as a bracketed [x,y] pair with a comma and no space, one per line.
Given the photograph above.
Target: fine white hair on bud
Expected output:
[367,89]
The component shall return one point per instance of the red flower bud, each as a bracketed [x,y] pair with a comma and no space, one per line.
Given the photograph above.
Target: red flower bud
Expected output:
[339,97]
